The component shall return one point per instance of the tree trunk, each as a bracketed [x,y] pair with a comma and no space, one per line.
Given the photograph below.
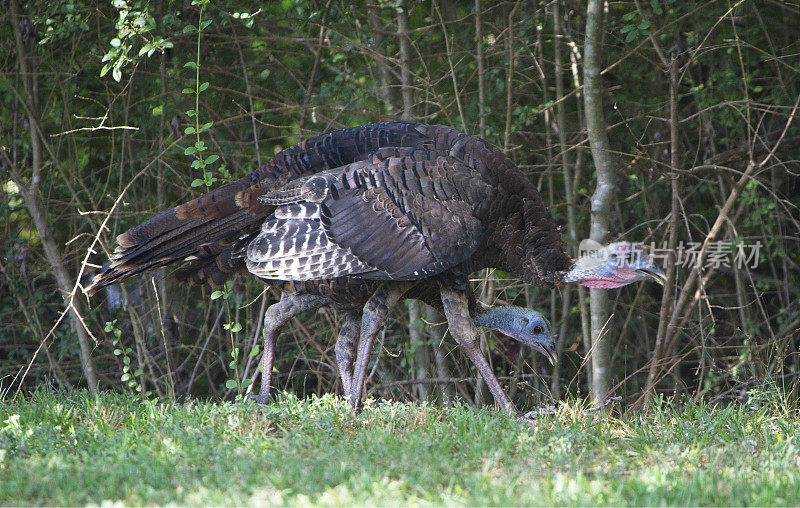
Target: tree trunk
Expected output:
[388,90]
[566,167]
[405,61]
[36,209]
[481,71]
[422,357]
[511,50]
[668,297]
[436,333]
[602,197]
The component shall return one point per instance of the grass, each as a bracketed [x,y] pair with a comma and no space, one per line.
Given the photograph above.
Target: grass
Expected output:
[69,449]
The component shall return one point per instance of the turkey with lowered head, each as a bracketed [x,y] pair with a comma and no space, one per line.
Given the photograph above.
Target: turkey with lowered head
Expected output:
[397,202]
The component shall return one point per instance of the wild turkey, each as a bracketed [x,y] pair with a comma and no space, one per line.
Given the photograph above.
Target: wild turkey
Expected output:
[394,201]
[349,294]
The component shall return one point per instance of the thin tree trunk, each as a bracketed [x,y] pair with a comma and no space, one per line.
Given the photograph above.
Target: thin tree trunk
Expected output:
[436,332]
[602,197]
[566,167]
[481,71]
[509,76]
[586,330]
[387,91]
[422,357]
[668,297]
[405,61]
[36,209]
[312,77]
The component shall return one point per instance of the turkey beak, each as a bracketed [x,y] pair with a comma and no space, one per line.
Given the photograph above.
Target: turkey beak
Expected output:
[549,350]
[656,274]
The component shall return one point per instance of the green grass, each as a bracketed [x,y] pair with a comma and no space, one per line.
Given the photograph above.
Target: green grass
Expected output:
[78,449]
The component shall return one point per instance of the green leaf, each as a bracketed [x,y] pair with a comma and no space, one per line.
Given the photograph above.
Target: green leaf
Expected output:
[656,7]
[189,130]
[246,383]
[115,42]
[205,24]
[189,29]
[236,327]
[116,74]
[216,294]
[631,36]
[190,113]
[197,164]
[188,91]
[255,351]
[125,377]
[232,364]
[206,126]
[644,25]
[203,86]
[117,351]
[211,159]
[192,65]
[190,150]
[230,384]
[197,182]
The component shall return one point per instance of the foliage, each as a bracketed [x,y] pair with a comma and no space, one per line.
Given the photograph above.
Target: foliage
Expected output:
[258,77]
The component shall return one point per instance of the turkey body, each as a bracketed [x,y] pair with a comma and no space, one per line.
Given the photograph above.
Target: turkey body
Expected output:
[357,217]
[388,201]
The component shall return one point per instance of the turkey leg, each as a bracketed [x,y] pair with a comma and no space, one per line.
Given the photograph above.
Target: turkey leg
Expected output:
[373,318]
[463,330]
[277,315]
[345,347]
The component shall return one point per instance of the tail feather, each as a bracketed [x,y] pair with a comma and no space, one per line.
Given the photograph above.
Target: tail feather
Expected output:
[198,229]
[202,230]
[214,270]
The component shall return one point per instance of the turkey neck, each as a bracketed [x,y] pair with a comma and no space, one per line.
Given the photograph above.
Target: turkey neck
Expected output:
[520,234]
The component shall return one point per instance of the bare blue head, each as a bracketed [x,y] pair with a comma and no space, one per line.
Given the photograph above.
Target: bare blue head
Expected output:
[525,325]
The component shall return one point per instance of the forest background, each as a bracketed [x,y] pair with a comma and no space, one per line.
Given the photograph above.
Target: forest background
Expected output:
[111,112]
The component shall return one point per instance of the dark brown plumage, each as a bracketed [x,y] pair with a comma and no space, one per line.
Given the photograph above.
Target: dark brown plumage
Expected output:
[397,202]
[402,197]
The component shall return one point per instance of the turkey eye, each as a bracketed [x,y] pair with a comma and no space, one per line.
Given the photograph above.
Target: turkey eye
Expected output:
[537,329]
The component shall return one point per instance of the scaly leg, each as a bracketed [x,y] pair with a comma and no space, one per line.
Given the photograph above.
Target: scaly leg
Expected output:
[345,348]
[463,330]
[277,315]
[373,318]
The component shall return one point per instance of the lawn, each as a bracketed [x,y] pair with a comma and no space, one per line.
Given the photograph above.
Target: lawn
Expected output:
[68,449]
